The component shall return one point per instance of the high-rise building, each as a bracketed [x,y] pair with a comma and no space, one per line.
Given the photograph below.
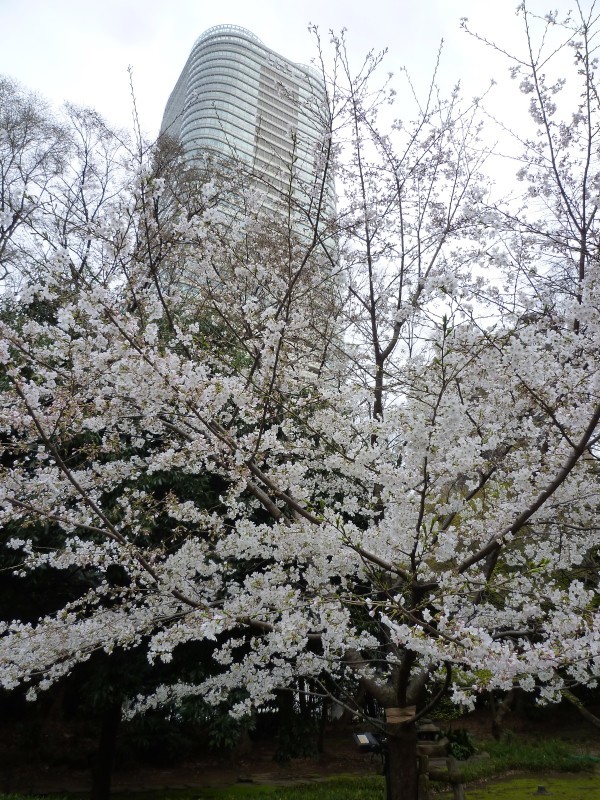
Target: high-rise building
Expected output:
[236,98]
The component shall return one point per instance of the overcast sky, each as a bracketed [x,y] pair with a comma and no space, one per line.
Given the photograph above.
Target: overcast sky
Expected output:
[79,50]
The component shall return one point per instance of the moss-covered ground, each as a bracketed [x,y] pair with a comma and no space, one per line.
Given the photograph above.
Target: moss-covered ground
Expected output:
[556,786]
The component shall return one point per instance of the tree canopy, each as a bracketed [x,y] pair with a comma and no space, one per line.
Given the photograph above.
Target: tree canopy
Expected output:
[360,450]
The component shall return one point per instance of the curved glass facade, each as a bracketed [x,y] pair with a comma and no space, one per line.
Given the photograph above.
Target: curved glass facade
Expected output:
[238,98]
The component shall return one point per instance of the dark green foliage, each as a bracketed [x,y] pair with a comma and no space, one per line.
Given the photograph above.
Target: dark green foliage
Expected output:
[445,709]
[297,737]
[225,732]
[157,738]
[299,719]
[461,744]
[171,733]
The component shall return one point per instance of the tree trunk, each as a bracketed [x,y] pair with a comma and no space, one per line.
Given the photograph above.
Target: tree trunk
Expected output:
[402,780]
[499,711]
[592,718]
[102,772]
[323,718]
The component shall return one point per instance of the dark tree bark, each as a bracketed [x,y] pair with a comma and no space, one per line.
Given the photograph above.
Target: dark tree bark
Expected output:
[402,772]
[103,766]
[323,717]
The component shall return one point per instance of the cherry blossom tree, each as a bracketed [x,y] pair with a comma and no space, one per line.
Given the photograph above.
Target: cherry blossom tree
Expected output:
[409,481]
[32,154]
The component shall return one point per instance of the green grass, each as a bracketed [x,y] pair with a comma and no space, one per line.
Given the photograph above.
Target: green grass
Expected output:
[348,788]
[559,787]
[526,756]
[343,788]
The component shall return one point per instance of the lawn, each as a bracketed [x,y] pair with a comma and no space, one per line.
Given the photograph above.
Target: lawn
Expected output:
[580,786]
[559,767]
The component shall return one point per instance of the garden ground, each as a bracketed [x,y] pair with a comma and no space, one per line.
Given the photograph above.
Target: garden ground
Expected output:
[534,742]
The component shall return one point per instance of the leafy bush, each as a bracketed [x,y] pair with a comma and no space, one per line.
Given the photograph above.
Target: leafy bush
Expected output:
[225,731]
[461,744]
[297,737]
